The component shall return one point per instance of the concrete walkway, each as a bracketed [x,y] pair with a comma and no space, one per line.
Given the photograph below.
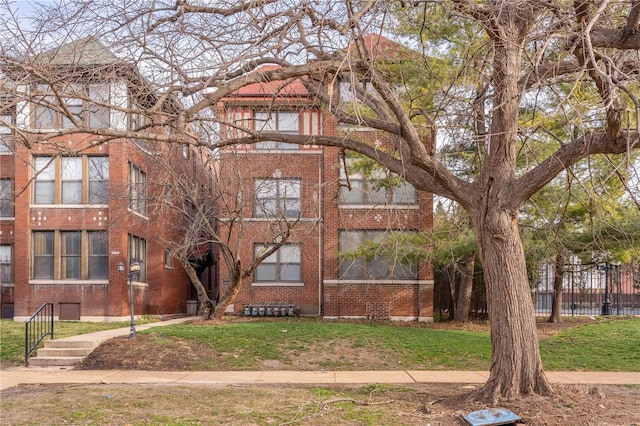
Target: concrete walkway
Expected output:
[35,375]
[10,378]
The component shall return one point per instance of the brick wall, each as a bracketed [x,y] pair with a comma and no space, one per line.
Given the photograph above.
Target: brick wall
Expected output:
[165,291]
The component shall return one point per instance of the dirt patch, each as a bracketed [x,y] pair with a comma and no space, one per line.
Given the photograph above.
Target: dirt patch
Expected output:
[432,404]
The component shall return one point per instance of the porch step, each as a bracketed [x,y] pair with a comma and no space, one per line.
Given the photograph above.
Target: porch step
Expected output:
[62,353]
[66,343]
[55,361]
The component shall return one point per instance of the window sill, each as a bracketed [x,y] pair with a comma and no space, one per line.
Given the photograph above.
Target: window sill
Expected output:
[277,284]
[379,206]
[142,216]
[69,206]
[7,218]
[382,281]
[306,151]
[68,282]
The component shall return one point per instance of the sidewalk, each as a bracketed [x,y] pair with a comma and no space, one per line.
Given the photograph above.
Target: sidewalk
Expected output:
[10,378]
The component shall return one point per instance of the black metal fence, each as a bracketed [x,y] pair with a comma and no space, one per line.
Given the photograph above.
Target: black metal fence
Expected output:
[590,289]
[587,289]
[39,326]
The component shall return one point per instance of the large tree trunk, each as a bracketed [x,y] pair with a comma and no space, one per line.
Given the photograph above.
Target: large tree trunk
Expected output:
[558,278]
[205,302]
[450,273]
[464,291]
[231,293]
[516,367]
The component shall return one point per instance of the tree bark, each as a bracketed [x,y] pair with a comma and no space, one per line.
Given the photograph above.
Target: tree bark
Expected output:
[516,367]
[558,278]
[205,302]
[464,292]
[231,293]
[451,279]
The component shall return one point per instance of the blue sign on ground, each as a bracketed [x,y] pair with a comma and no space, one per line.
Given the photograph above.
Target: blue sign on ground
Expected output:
[491,416]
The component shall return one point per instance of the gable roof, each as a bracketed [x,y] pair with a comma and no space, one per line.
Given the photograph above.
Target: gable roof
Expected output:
[381,48]
[278,88]
[83,52]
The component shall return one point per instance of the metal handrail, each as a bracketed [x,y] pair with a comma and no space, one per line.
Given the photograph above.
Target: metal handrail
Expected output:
[39,326]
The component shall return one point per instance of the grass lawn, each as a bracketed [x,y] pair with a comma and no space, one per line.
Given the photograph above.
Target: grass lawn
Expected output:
[608,345]
[611,344]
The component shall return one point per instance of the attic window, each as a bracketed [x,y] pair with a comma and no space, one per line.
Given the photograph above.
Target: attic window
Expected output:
[287,122]
[84,104]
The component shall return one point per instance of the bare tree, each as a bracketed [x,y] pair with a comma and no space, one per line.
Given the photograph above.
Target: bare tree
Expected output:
[210,213]
[202,54]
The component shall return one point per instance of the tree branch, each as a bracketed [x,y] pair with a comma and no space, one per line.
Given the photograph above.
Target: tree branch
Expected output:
[589,144]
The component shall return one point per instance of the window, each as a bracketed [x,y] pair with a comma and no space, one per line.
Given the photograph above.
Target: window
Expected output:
[45,176]
[137,189]
[70,255]
[6,197]
[168,259]
[6,265]
[376,262]
[71,180]
[98,180]
[276,197]
[365,182]
[43,254]
[86,104]
[44,115]
[138,253]
[277,121]
[78,255]
[392,191]
[98,255]
[99,113]
[283,265]
[6,144]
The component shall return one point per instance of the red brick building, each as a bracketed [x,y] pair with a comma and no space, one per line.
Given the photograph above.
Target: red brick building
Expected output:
[73,208]
[335,210]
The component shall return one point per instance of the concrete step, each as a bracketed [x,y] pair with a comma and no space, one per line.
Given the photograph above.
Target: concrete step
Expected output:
[69,344]
[63,352]
[54,361]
